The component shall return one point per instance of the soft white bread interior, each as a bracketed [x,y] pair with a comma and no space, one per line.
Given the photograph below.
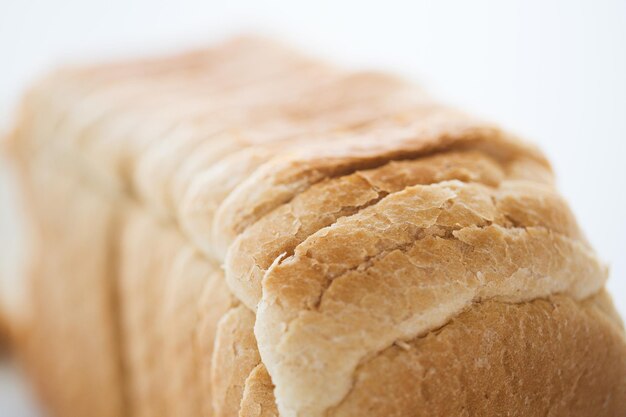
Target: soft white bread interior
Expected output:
[244,231]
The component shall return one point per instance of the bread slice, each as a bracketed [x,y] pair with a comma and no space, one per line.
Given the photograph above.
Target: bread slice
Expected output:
[69,338]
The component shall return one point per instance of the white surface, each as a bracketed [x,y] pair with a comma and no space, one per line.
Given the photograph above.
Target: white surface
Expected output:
[553,71]
[15,397]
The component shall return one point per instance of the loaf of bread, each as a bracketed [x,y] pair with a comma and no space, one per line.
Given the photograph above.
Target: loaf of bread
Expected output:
[244,231]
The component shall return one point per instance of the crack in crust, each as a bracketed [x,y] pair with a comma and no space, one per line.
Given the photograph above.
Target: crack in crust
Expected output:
[281,179]
[280,231]
[458,202]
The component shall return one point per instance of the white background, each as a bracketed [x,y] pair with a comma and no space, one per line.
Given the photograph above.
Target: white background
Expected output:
[552,71]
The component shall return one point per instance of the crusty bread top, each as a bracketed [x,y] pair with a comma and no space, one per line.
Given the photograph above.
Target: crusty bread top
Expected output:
[281,230]
[402,267]
[352,212]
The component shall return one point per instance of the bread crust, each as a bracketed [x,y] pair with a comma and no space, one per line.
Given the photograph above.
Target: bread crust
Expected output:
[553,357]
[278,181]
[448,244]
[493,359]
[284,228]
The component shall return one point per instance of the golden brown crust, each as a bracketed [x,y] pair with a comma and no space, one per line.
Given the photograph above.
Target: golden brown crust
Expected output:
[448,244]
[284,228]
[430,130]
[602,302]
[551,357]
